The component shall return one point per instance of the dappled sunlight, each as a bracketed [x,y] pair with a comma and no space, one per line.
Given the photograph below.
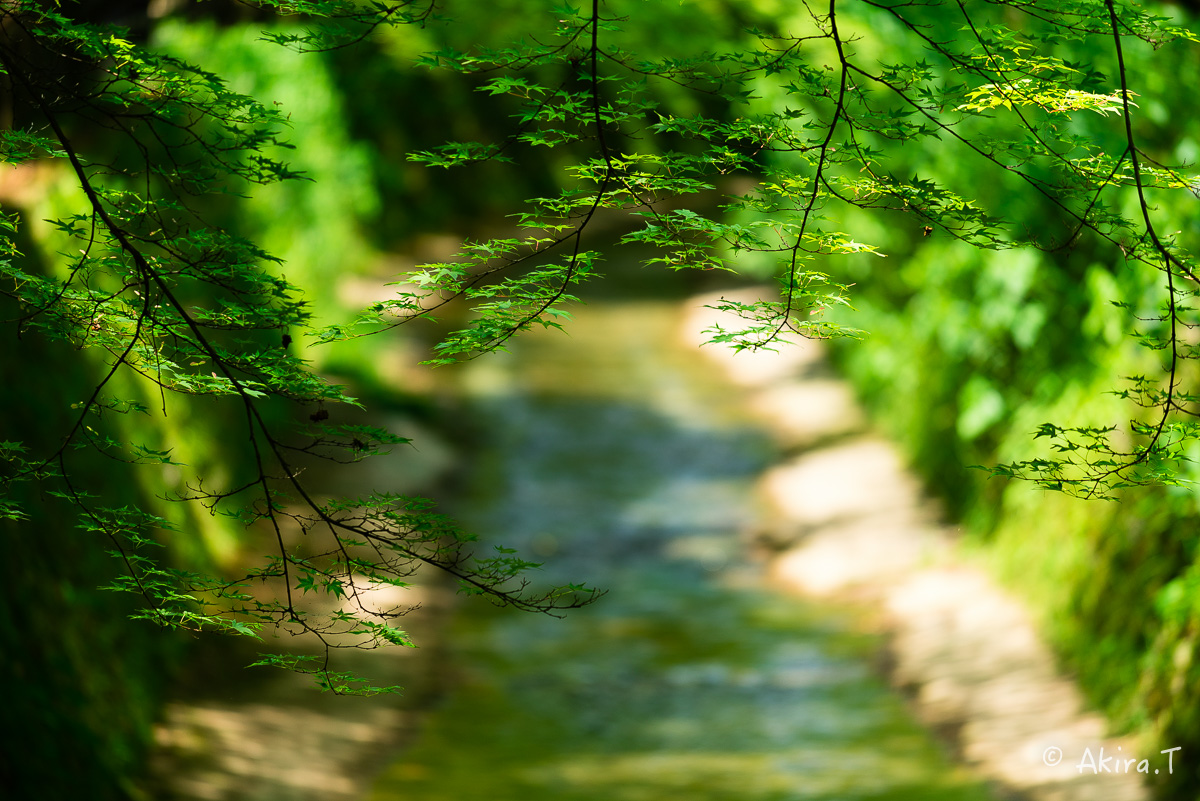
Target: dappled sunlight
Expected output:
[657,476]
[691,678]
[273,752]
[852,523]
[670,557]
[259,734]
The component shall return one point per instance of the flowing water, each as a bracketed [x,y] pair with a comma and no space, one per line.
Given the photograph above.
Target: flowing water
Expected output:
[623,460]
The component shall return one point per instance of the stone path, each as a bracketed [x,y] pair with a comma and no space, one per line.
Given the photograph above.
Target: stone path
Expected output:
[263,734]
[849,522]
[267,735]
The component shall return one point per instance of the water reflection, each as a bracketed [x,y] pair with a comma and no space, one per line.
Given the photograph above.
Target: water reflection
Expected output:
[629,465]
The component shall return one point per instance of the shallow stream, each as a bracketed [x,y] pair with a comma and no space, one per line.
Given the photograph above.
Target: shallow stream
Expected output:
[624,460]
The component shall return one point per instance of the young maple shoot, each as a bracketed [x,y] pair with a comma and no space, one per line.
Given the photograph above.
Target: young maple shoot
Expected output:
[798,120]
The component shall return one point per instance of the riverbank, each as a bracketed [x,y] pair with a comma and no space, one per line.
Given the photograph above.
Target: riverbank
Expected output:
[849,523]
[846,523]
[232,733]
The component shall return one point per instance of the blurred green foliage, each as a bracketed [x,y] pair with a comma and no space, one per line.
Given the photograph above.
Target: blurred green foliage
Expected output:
[975,345]
[971,351]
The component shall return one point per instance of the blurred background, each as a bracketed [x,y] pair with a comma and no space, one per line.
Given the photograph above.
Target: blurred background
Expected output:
[622,455]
